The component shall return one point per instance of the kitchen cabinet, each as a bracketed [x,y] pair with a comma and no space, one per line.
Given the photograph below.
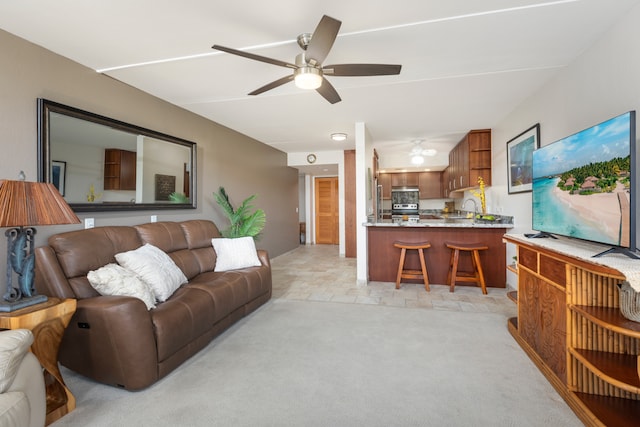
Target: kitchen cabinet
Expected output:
[430,185]
[404,179]
[384,179]
[470,159]
[119,169]
[445,183]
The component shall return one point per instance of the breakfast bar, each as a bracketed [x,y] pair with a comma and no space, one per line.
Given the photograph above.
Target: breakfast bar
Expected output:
[383,257]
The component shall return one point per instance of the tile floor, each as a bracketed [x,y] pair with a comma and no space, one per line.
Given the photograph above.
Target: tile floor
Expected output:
[319,273]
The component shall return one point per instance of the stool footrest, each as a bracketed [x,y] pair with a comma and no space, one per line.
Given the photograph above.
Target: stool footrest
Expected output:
[407,273]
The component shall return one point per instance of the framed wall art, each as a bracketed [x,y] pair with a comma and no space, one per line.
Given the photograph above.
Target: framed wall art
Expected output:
[59,175]
[165,185]
[520,159]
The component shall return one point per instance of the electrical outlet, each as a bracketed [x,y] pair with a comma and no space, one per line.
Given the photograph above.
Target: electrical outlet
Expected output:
[154,218]
[89,223]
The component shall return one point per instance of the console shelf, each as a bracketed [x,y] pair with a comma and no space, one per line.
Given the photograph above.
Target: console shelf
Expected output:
[569,323]
[620,370]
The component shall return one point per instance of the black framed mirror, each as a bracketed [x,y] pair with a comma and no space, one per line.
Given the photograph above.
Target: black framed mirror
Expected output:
[102,164]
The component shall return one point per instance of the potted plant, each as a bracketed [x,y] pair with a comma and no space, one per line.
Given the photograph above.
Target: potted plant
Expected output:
[244,221]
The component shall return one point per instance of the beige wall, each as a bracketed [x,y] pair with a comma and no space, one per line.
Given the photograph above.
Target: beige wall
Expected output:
[225,158]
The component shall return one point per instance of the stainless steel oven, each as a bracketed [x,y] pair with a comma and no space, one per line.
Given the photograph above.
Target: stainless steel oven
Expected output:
[405,201]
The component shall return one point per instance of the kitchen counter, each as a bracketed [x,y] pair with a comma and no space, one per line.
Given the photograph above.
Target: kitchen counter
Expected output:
[383,257]
[443,222]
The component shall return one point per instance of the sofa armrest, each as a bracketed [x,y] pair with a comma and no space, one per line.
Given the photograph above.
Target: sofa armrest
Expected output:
[109,339]
[29,380]
[49,278]
[263,256]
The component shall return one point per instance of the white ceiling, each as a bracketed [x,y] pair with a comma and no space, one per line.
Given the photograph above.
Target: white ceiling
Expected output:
[466,64]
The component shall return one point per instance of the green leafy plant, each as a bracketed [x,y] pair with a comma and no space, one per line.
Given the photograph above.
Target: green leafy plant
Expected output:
[176,197]
[244,221]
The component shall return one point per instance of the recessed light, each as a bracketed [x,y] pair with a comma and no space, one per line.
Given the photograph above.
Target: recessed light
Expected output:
[339,136]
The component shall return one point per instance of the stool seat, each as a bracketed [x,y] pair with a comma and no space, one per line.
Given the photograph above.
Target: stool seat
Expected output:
[476,276]
[412,274]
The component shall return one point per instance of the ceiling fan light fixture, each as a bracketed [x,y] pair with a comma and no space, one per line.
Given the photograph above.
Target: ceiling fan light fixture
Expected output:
[339,136]
[307,77]
[417,160]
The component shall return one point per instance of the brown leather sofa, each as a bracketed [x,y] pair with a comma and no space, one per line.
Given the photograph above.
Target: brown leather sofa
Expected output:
[115,340]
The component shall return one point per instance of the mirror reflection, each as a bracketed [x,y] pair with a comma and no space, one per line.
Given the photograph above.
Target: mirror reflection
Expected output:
[99,163]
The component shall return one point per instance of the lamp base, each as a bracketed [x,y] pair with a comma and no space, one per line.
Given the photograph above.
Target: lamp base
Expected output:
[6,306]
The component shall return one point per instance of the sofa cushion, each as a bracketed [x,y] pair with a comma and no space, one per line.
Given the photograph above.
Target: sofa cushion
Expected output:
[167,236]
[187,315]
[234,254]
[84,250]
[155,268]
[113,279]
[14,409]
[14,345]
[199,232]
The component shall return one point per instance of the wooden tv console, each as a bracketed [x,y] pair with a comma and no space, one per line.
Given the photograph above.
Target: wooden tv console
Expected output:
[569,323]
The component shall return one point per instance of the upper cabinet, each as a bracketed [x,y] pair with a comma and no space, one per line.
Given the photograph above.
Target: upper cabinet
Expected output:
[470,159]
[119,169]
[404,179]
[430,185]
[384,179]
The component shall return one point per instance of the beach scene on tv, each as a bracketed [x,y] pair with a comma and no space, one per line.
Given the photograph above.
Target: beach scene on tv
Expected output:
[581,184]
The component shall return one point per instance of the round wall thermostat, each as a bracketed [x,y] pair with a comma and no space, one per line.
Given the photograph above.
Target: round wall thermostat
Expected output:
[311,158]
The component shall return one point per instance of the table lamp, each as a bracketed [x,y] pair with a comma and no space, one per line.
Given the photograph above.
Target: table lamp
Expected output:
[24,204]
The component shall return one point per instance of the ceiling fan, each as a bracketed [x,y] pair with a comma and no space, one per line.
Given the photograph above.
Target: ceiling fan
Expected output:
[308,71]
[418,152]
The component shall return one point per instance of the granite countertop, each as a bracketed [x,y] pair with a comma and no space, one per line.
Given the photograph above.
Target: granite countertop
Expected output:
[444,222]
[441,218]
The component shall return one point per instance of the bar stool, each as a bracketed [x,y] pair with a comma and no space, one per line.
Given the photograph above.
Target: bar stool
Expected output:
[412,274]
[465,276]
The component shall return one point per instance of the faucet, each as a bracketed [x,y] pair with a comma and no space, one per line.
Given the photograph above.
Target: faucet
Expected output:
[475,205]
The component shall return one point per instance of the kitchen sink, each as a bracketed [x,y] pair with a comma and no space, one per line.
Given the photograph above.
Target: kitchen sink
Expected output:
[430,217]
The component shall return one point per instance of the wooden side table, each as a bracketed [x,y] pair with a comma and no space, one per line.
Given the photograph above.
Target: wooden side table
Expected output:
[47,322]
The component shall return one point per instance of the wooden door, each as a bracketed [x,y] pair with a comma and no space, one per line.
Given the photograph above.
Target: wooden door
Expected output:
[350,223]
[327,211]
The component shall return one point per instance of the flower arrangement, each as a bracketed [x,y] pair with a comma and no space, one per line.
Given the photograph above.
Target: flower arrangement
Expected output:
[481,195]
[91,195]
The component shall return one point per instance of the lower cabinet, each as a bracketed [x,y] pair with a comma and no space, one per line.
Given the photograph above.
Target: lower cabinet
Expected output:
[570,325]
[542,320]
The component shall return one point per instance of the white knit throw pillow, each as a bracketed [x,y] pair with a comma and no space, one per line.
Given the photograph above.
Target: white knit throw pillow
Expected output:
[233,254]
[155,268]
[113,279]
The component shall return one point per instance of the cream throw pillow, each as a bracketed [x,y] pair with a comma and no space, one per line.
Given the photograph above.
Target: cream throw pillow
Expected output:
[155,268]
[113,279]
[233,254]
[13,346]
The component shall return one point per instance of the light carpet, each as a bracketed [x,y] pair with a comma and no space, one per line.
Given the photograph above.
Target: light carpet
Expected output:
[302,363]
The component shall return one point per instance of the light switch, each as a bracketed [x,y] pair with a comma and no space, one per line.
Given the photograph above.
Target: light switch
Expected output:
[89,223]
[154,218]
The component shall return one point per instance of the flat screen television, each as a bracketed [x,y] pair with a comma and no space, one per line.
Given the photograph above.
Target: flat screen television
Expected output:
[584,186]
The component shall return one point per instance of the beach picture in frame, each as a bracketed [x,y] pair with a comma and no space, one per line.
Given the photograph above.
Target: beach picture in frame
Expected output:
[59,175]
[520,159]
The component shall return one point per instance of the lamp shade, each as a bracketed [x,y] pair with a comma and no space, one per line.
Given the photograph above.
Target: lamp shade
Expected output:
[24,203]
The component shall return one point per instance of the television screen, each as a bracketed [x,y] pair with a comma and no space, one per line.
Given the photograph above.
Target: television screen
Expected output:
[583,184]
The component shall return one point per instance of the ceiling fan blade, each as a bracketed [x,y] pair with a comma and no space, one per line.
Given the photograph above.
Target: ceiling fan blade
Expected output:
[272,85]
[322,40]
[328,92]
[254,56]
[346,70]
